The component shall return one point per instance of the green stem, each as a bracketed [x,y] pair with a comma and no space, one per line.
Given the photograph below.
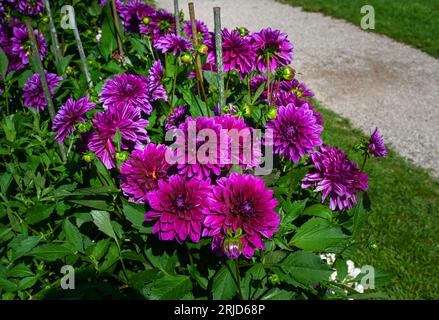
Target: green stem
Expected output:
[268,78]
[174,84]
[238,279]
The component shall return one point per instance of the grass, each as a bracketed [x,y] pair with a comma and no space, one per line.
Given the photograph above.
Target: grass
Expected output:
[414,22]
[404,220]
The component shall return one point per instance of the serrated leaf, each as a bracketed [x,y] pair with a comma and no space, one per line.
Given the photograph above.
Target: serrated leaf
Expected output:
[135,213]
[100,249]
[102,220]
[39,213]
[94,204]
[318,210]
[19,271]
[111,258]
[3,63]
[171,287]
[7,285]
[317,234]
[23,244]
[50,252]
[278,294]
[73,236]
[223,285]
[306,268]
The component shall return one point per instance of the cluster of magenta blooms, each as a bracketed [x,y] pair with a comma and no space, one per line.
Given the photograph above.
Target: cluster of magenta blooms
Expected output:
[190,201]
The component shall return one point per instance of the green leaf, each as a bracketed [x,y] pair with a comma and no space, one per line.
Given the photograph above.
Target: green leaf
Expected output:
[95,204]
[278,294]
[306,268]
[258,92]
[102,220]
[319,210]
[202,281]
[317,234]
[100,249]
[171,287]
[135,213]
[342,268]
[111,258]
[20,271]
[223,285]
[7,285]
[39,213]
[73,236]
[50,252]
[3,63]
[65,62]
[26,283]
[359,218]
[292,210]
[93,191]
[109,43]
[23,244]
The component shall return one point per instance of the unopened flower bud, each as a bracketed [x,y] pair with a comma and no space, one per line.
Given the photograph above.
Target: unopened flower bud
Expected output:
[272,113]
[243,32]
[233,247]
[202,49]
[122,156]
[84,126]
[45,19]
[186,58]
[274,279]
[89,157]
[146,20]
[288,73]
[248,110]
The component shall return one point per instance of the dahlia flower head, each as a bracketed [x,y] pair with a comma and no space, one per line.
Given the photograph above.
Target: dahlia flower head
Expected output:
[142,172]
[296,132]
[33,93]
[179,208]
[161,23]
[6,34]
[238,54]
[173,44]
[197,161]
[70,114]
[273,44]
[126,90]
[29,7]
[244,202]
[132,12]
[21,45]
[202,31]
[336,177]
[176,118]
[131,125]
[376,144]
[243,150]
[154,82]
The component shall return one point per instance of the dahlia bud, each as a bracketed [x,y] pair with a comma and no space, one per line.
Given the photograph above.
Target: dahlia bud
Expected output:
[146,20]
[89,156]
[45,20]
[230,108]
[274,279]
[122,156]
[233,245]
[288,73]
[84,126]
[243,32]
[272,113]
[186,58]
[248,110]
[202,49]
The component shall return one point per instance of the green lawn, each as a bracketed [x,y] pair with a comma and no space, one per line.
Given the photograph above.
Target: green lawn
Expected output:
[414,22]
[404,220]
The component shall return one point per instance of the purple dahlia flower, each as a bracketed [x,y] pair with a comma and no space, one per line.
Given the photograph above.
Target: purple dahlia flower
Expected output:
[21,45]
[238,54]
[295,132]
[69,115]
[176,118]
[30,7]
[33,93]
[173,43]
[142,172]
[161,23]
[179,206]
[132,12]
[126,90]
[131,126]
[198,163]
[242,151]
[154,82]
[241,201]
[274,45]
[203,31]
[376,145]
[336,177]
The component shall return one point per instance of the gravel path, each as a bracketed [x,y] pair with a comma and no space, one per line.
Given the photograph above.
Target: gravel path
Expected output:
[366,77]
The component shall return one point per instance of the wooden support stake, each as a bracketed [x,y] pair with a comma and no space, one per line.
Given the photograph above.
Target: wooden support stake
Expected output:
[198,72]
[116,27]
[177,18]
